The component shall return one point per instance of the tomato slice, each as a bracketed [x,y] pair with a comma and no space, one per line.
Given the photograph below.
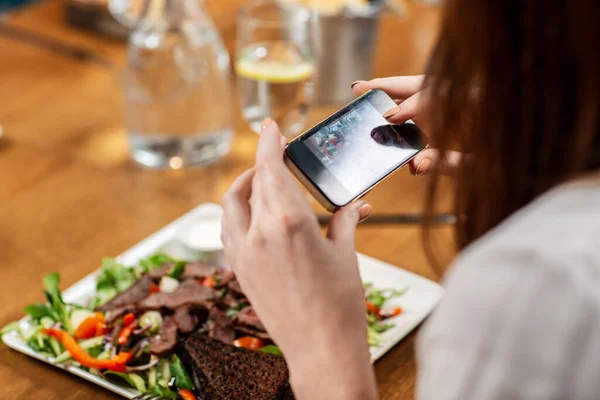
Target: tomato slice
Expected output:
[249,342]
[154,288]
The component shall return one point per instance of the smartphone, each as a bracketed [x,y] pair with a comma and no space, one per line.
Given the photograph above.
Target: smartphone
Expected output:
[342,158]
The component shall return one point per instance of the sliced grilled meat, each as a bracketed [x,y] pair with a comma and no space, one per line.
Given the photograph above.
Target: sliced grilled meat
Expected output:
[223,277]
[197,270]
[188,317]
[219,326]
[235,287]
[247,317]
[249,331]
[188,293]
[166,338]
[116,313]
[231,301]
[161,271]
[133,295]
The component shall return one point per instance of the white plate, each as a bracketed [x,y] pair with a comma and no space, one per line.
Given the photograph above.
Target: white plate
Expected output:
[417,303]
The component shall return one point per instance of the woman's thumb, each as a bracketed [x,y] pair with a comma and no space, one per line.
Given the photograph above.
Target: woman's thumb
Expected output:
[342,226]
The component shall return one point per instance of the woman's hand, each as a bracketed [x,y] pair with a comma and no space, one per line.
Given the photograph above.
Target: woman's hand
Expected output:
[407,92]
[305,287]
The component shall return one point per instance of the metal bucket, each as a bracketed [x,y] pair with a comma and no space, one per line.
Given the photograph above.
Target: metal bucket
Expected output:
[347,43]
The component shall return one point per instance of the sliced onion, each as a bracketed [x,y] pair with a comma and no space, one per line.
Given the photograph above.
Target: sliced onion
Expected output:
[108,338]
[141,330]
[153,361]
[138,349]
[116,329]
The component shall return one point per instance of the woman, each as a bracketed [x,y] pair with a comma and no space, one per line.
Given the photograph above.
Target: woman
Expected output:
[516,86]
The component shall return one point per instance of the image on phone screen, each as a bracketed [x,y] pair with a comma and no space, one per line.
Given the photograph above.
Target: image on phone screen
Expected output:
[354,149]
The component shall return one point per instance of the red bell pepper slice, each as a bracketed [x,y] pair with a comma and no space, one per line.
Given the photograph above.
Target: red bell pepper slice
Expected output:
[186,395]
[390,313]
[372,308]
[89,327]
[117,363]
[128,319]
[209,281]
[125,334]
[127,330]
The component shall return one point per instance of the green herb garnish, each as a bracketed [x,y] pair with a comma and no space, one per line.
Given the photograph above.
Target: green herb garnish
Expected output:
[38,311]
[182,379]
[177,270]
[60,312]
[271,349]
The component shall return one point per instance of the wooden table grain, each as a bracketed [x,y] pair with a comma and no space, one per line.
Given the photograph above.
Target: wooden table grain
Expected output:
[69,194]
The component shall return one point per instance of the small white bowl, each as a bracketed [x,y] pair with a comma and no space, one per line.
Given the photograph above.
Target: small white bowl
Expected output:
[200,233]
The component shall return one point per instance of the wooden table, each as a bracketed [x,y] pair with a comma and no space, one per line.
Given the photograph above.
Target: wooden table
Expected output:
[70,195]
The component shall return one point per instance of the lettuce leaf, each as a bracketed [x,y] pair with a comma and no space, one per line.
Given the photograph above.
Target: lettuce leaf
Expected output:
[60,310]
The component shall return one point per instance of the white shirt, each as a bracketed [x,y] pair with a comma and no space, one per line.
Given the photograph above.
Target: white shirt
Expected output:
[520,319]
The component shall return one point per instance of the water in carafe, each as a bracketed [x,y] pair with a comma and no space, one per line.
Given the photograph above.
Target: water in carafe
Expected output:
[177,92]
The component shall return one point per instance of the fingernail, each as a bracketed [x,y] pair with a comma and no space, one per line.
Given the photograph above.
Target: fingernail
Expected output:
[423,167]
[283,141]
[265,123]
[365,211]
[355,83]
[391,112]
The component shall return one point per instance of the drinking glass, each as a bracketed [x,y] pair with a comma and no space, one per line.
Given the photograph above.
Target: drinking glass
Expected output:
[276,63]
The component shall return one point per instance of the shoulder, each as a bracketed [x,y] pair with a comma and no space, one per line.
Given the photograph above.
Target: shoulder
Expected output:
[527,288]
[552,243]
[556,236]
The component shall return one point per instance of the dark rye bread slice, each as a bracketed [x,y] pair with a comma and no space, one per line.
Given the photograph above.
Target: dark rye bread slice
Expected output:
[202,385]
[202,388]
[238,374]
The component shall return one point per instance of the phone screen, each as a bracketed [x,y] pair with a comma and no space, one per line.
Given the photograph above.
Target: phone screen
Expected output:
[355,148]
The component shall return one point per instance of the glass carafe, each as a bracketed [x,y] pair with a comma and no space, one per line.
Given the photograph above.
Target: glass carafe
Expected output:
[178,110]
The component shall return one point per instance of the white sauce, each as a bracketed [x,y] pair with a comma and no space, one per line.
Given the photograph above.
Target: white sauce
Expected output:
[202,230]
[203,234]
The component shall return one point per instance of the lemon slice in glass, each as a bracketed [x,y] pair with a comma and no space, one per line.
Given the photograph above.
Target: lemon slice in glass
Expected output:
[274,71]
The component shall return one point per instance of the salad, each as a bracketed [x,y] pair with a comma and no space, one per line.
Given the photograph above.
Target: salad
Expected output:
[130,332]
[378,313]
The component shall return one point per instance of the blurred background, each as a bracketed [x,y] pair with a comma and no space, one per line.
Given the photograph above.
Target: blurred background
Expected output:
[179,77]
[118,116]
